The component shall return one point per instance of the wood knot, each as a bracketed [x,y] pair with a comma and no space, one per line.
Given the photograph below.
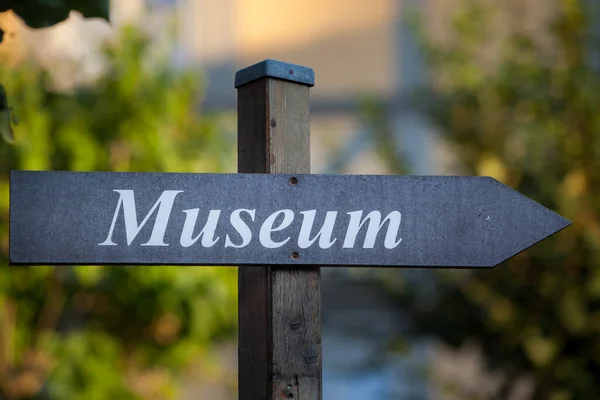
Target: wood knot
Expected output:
[311,354]
[275,376]
[296,323]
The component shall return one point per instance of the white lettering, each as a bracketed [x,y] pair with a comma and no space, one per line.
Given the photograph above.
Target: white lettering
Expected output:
[207,233]
[267,228]
[309,234]
[241,228]
[375,225]
[127,201]
[324,235]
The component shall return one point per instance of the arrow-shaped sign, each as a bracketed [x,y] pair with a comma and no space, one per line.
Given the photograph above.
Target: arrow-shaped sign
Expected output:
[265,219]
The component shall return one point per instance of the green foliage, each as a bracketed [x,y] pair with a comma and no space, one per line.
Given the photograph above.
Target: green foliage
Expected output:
[530,119]
[45,13]
[109,332]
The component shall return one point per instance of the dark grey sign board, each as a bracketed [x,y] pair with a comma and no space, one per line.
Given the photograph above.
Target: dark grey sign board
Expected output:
[270,219]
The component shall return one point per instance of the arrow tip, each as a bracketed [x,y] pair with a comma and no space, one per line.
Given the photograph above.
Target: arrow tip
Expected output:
[530,223]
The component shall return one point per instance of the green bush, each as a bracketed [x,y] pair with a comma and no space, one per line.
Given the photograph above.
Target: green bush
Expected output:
[97,332]
[523,108]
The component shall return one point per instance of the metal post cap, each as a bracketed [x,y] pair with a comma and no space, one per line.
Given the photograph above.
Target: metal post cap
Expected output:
[275,69]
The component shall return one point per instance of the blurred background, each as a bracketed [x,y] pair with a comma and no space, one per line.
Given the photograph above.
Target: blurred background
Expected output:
[509,89]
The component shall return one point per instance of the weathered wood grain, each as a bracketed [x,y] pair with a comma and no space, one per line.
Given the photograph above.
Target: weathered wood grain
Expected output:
[279,308]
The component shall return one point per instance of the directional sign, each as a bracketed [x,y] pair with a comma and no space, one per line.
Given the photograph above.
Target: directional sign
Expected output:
[267,219]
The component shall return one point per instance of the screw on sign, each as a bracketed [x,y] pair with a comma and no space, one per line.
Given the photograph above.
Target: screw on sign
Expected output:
[275,220]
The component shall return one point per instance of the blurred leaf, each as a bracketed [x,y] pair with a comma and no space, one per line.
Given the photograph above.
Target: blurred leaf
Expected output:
[6,119]
[91,8]
[38,14]
[541,350]
[46,13]
[6,129]
[88,275]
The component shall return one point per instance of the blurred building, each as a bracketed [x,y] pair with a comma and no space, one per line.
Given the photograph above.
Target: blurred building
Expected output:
[356,49]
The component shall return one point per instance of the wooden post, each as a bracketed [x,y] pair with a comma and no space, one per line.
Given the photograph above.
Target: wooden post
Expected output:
[279,307]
